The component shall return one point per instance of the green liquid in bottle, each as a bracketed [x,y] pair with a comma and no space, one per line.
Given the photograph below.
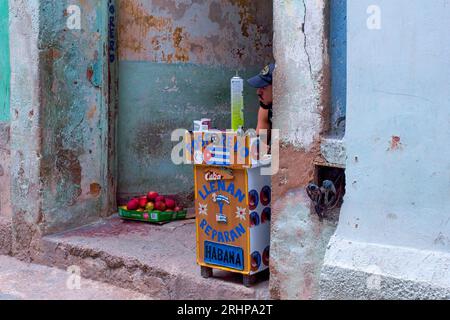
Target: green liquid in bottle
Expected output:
[237,103]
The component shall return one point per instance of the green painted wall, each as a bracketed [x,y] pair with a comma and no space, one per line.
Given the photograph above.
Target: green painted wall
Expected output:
[157,98]
[176,61]
[74,115]
[5,71]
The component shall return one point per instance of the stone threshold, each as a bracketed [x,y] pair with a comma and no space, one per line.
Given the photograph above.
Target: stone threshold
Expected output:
[158,261]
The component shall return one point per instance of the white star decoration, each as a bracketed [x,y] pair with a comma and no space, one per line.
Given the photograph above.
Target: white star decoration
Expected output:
[241,213]
[203,209]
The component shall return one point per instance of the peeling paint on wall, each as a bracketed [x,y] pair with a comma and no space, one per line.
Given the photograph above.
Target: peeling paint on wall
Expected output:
[5,185]
[300,48]
[301,108]
[5,74]
[5,71]
[25,130]
[218,32]
[74,118]
[176,62]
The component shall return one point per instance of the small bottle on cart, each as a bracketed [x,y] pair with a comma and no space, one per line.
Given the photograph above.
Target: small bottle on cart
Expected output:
[240,132]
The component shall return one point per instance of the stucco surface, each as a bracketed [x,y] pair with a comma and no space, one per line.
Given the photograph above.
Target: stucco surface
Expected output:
[5,169]
[25,127]
[301,112]
[176,60]
[4,62]
[397,144]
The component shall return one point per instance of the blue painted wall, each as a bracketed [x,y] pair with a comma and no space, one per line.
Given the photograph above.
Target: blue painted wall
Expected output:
[398,128]
[338,53]
[5,70]
[74,117]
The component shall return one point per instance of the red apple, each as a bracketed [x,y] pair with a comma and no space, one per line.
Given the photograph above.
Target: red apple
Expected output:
[133,204]
[160,206]
[152,195]
[170,203]
[160,199]
[143,201]
[178,209]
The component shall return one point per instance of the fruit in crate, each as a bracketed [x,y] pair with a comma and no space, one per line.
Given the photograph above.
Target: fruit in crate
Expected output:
[160,206]
[143,201]
[178,209]
[169,210]
[150,206]
[160,199]
[133,204]
[170,203]
[152,195]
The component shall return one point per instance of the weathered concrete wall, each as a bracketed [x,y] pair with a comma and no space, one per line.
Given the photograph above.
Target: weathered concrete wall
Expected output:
[5,73]
[5,190]
[25,128]
[176,61]
[74,119]
[393,238]
[60,168]
[5,152]
[301,112]
[5,168]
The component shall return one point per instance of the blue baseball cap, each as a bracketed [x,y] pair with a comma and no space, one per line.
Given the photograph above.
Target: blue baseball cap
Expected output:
[264,78]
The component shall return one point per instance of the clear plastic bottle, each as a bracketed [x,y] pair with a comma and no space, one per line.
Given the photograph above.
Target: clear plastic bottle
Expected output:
[237,102]
[240,131]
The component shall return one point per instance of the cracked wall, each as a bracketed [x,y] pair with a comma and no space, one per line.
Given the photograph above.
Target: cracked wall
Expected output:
[24,131]
[5,152]
[301,112]
[5,168]
[60,169]
[74,119]
[5,73]
[176,60]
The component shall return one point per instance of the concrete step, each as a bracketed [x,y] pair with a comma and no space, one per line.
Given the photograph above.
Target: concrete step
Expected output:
[23,281]
[159,261]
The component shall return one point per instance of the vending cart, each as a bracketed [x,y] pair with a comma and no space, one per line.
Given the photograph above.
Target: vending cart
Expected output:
[232,202]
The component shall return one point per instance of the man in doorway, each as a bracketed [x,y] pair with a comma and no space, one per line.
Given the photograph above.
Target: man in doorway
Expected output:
[263,83]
